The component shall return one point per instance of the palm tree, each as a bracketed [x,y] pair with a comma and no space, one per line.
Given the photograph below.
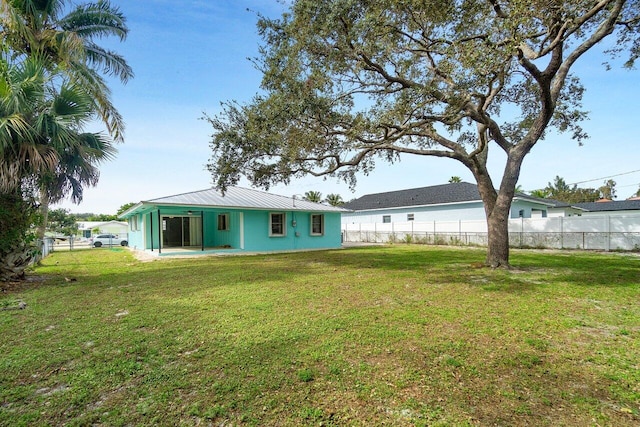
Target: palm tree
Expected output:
[22,88]
[334,199]
[540,193]
[313,196]
[44,147]
[455,179]
[66,42]
[79,152]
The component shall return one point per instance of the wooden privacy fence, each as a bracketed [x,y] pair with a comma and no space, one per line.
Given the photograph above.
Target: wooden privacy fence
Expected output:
[608,232]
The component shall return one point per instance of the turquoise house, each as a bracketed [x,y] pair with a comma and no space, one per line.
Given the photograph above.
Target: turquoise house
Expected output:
[240,220]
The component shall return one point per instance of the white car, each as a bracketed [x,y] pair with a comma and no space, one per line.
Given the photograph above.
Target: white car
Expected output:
[108,240]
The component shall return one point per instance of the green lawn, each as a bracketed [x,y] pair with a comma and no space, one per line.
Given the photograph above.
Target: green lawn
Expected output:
[393,335]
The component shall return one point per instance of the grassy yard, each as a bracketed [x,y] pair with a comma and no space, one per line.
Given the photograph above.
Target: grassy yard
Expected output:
[392,335]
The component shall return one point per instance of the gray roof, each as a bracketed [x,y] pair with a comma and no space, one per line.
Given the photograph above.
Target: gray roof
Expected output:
[435,195]
[615,205]
[236,197]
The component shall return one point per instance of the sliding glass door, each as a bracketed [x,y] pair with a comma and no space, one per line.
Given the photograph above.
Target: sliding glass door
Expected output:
[181,231]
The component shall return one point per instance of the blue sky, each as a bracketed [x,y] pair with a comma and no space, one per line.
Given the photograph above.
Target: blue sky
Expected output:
[190,56]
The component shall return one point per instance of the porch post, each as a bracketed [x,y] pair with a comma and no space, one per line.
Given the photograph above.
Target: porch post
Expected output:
[159,233]
[151,229]
[202,229]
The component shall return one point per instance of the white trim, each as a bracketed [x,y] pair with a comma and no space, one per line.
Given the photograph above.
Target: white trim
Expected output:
[321,224]
[284,224]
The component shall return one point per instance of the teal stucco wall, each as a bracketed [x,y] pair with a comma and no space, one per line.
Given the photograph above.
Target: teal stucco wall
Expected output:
[248,230]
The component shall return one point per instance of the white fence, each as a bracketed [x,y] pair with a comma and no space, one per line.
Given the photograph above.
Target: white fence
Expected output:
[607,232]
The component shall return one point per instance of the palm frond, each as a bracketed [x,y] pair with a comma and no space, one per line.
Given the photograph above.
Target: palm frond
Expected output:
[108,61]
[98,19]
[98,89]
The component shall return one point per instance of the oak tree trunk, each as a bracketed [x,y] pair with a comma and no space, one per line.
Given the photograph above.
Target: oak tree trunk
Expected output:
[498,239]
[497,206]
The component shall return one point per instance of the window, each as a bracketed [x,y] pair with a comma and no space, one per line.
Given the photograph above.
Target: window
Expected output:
[386,218]
[276,224]
[409,217]
[223,222]
[133,223]
[317,224]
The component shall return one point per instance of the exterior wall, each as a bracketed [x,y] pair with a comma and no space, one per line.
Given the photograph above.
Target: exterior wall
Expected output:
[564,211]
[528,209]
[248,230]
[470,211]
[297,237]
[136,237]
[463,211]
[221,238]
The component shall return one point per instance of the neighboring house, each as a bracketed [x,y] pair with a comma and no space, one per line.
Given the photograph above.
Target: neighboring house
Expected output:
[447,202]
[239,220]
[85,228]
[563,209]
[610,207]
[601,207]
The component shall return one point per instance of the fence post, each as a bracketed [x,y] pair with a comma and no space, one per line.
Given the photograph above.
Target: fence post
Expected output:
[521,230]
[607,229]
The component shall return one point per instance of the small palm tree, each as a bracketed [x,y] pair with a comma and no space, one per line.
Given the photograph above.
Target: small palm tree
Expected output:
[540,193]
[334,199]
[78,152]
[455,179]
[313,196]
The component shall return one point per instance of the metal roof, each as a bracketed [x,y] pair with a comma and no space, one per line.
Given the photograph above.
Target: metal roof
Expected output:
[236,197]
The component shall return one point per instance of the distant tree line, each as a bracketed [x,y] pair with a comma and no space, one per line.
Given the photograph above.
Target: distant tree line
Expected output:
[563,192]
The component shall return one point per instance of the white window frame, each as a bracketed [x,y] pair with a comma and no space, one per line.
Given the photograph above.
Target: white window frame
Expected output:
[133,223]
[226,226]
[284,224]
[410,217]
[311,224]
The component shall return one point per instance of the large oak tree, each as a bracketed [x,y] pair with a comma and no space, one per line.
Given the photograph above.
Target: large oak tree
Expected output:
[348,83]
